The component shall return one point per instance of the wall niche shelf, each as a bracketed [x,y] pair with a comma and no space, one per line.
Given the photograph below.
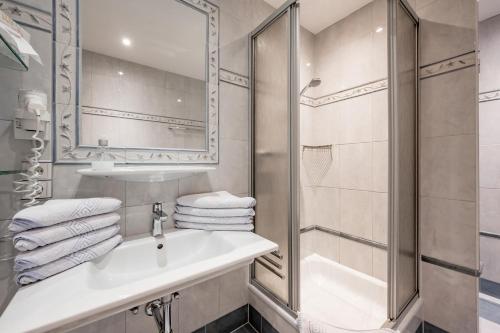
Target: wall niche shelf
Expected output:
[153,173]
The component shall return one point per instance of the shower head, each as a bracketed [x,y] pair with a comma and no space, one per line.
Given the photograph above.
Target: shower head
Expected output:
[313,83]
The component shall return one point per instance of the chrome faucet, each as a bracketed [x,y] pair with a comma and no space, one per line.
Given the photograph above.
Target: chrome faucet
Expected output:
[159,216]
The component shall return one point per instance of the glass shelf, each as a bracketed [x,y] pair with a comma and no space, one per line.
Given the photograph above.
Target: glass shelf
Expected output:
[10,58]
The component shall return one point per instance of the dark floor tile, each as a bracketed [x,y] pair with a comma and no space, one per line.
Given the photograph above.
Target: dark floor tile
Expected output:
[254,318]
[420,328]
[245,329]
[200,330]
[267,327]
[429,328]
[229,322]
[489,288]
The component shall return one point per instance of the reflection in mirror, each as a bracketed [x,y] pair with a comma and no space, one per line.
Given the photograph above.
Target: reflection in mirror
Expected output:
[143,84]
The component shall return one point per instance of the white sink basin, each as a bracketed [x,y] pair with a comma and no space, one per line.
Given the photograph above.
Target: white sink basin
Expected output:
[135,272]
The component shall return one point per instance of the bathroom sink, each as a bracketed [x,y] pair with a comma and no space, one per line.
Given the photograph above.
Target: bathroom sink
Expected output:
[137,271]
[146,257]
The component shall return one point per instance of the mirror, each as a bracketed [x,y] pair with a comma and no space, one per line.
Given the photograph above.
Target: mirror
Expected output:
[143,85]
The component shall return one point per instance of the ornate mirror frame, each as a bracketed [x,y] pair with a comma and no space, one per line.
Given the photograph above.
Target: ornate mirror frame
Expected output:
[66,76]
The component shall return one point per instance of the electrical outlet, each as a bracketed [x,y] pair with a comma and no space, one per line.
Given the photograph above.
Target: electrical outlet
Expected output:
[44,169]
[46,189]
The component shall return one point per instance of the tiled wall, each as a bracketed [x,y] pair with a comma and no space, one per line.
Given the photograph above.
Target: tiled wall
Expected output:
[448,162]
[212,299]
[351,197]
[140,89]
[489,145]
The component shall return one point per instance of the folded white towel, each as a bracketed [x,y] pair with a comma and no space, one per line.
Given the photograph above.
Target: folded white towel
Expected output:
[62,210]
[69,261]
[220,199]
[214,227]
[215,220]
[215,212]
[60,249]
[33,238]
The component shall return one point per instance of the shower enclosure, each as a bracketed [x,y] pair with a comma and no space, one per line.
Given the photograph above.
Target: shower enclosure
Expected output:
[334,100]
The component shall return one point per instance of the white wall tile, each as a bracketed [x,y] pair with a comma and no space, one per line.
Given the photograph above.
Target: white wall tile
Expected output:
[356,213]
[356,166]
[356,256]
[489,118]
[490,248]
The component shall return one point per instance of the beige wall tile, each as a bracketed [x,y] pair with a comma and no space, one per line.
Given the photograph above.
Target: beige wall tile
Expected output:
[356,166]
[356,213]
[380,115]
[489,118]
[140,193]
[489,164]
[326,245]
[450,299]
[447,28]
[490,249]
[448,167]
[197,305]
[489,41]
[380,218]
[449,231]
[490,210]
[356,256]
[380,167]
[233,112]
[380,264]
[449,106]
[355,120]
[327,207]
[233,290]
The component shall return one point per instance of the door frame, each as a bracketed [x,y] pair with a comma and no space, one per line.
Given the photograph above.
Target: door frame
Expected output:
[290,7]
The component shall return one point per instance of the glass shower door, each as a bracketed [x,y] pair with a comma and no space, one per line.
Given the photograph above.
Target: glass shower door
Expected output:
[274,104]
[403,251]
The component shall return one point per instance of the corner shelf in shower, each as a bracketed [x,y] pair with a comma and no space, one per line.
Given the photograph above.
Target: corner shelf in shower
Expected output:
[159,173]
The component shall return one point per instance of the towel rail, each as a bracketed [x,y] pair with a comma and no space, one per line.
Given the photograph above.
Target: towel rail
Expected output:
[272,262]
[269,268]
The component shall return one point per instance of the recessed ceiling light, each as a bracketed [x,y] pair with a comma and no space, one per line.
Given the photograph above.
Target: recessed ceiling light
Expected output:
[120,73]
[179,100]
[379,29]
[126,41]
[308,64]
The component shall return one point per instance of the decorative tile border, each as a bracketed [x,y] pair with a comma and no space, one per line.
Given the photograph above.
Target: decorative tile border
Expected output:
[27,15]
[345,94]
[489,96]
[451,266]
[233,78]
[448,65]
[141,116]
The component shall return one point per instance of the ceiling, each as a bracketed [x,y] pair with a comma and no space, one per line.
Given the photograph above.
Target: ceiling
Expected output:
[488,8]
[164,34]
[316,15]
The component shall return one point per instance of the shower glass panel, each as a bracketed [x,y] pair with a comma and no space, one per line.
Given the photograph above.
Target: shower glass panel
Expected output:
[342,137]
[403,119]
[272,158]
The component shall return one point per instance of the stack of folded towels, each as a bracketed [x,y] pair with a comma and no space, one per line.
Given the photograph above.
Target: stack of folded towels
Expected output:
[214,211]
[61,234]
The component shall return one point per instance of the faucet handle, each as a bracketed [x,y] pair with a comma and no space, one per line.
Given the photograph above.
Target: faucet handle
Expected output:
[159,212]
